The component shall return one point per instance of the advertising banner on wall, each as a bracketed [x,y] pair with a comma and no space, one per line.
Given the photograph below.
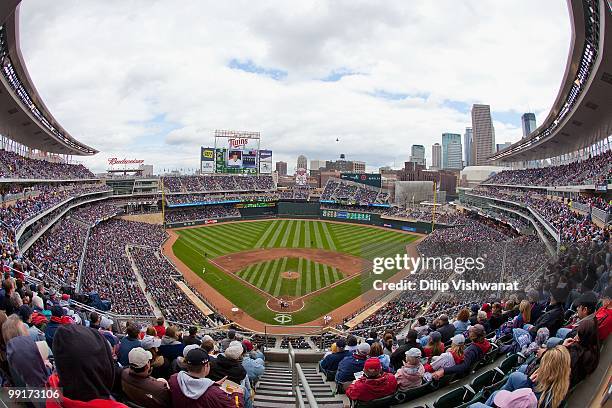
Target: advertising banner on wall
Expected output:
[370,179]
[207,160]
[265,162]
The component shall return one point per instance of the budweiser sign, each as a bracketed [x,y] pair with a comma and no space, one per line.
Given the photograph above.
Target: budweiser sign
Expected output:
[238,142]
[112,161]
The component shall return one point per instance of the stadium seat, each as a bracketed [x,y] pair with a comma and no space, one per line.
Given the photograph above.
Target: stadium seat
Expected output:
[414,393]
[377,403]
[488,358]
[509,363]
[454,398]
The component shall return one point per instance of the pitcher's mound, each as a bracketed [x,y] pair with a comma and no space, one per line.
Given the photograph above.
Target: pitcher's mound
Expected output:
[290,275]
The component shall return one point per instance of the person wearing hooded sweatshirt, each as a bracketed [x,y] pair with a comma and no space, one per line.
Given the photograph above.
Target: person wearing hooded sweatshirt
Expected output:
[373,384]
[85,369]
[191,388]
[231,336]
[228,364]
[412,372]
[352,364]
[57,320]
[473,353]
[139,386]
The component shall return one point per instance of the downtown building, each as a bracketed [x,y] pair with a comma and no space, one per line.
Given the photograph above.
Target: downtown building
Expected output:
[483,135]
[467,146]
[417,154]
[436,156]
[451,151]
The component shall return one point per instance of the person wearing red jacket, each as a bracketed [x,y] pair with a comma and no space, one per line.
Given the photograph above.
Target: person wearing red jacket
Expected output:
[373,384]
[604,315]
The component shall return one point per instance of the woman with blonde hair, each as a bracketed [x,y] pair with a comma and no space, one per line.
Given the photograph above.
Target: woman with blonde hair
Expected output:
[524,316]
[550,381]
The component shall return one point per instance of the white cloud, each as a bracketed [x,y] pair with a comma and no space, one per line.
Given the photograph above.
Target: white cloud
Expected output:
[151,80]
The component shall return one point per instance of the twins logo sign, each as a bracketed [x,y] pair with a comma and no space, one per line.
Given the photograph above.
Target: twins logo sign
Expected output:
[283,318]
[237,142]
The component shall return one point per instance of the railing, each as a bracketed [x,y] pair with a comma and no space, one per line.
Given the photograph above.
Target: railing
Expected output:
[297,378]
[82,260]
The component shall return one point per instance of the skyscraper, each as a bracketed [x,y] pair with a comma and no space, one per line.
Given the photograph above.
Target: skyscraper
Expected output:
[316,164]
[451,158]
[417,154]
[436,157]
[467,146]
[302,162]
[281,168]
[529,123]
[483,138]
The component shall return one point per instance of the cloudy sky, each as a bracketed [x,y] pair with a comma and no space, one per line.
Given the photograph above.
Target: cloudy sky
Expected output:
[152,79]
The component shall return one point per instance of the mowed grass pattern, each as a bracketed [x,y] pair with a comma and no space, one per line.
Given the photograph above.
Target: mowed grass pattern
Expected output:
[196,246]
[267,276]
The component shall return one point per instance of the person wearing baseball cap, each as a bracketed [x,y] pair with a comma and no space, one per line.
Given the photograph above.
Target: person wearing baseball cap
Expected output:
[329,364]
[473,353]
[139,386]
[254,366]
[192,388]
[373,384]
[228,364]
[352,364]
[412,372]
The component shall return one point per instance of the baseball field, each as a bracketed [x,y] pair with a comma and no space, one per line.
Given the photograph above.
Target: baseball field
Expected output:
[312,266]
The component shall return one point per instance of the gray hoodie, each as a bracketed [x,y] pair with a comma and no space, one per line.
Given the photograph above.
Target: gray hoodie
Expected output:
[192,387]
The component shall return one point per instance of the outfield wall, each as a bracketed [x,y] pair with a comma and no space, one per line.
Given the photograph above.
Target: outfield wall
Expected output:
[312,210]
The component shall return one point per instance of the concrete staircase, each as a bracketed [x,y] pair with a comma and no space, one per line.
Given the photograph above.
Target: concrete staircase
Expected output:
[274,388]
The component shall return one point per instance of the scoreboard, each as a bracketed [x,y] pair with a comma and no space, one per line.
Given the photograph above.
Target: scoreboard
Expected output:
[347,215]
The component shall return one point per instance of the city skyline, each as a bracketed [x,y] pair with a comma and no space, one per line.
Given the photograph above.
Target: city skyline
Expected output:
[334,96]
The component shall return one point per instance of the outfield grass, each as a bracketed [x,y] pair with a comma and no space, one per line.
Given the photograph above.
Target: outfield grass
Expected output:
[195,246]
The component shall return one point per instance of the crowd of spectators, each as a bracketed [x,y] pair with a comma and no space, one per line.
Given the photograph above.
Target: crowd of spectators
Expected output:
[14,214]
[594,170]
[218,182]
[571,225]
[58,252]
[157,274]
[15,166]
[353,193]
[208,212]
[91,213]
[179,199]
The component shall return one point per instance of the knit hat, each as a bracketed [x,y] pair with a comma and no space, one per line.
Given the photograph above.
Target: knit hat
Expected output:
[341,343]
[413,352]
[435,336]
[247,344]
[207,338]
[83,353]
[105,322]
[363,348]
[234,351]
[521,398]
[458,339]
[57,311]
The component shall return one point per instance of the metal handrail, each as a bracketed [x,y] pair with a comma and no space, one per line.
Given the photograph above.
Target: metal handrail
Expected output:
[297,378]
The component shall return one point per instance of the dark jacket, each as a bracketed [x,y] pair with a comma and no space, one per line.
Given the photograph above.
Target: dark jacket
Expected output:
[188,392]
[50,332]
[399,355]
[349,366]
[473,353]
[188,340]
[331,361]
[25,362]
[171,351]
[222,366]
[126,345]
[144,390]
[447,331]
[552,319]
[496,321]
